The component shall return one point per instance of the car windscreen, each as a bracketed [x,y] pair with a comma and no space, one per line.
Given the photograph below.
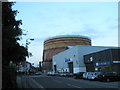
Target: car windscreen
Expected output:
[111,73]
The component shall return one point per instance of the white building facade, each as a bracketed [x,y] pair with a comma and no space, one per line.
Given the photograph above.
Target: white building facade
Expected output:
[72,60]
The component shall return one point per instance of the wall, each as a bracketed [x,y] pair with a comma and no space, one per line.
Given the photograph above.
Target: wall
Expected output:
[60,58]
[83,50]
[102,61]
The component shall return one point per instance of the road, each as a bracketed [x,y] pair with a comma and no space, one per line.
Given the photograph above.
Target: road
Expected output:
[42,81]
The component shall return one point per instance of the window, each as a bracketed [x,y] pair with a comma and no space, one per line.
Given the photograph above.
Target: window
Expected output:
[91,59]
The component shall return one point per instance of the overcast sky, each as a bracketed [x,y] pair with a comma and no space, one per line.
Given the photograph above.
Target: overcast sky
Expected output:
[97,20]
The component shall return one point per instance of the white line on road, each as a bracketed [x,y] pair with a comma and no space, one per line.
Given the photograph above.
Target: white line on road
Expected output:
[73,86]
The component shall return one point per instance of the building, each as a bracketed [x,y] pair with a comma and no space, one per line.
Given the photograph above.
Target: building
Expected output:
[57,44]
[72,60]
[105,60]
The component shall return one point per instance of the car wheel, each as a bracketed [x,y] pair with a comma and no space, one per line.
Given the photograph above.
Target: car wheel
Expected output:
[108,80]
[100,80]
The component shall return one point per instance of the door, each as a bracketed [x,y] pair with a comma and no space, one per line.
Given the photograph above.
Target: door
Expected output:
[70,66]
[55,68]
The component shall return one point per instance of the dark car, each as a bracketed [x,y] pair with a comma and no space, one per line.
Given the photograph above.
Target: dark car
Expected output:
[69,74]
[78,75]
[108,76]
[118,77]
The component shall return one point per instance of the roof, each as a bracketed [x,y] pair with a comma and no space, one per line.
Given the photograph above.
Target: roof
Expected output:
[67,36]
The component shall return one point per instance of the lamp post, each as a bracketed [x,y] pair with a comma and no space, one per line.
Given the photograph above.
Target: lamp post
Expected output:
[27,43]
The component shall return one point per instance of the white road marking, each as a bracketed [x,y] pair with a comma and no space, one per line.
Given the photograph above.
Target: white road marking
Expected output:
[73,86]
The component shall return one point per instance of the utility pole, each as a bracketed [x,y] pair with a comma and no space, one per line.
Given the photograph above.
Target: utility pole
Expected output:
[27,43]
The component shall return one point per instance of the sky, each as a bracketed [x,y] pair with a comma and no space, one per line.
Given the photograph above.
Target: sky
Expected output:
[41,20]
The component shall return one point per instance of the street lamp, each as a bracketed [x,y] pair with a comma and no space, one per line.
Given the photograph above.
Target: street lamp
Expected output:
[27,43]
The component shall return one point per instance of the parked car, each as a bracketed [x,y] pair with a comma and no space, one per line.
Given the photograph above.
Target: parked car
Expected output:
[69,74]
[79,75]
[53,74]
[89,76]
[108,76]
[60,74]
[50,73]
[85,75]
[56,74]
[63,74]
[38,73]
[118,77]
[93,75]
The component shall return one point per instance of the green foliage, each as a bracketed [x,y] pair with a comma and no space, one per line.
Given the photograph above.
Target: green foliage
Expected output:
[11,33]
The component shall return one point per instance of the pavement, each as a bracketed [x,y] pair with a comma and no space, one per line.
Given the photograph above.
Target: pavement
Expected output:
[19,81]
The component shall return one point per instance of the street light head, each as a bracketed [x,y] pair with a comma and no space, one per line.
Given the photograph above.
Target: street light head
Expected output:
[32,39]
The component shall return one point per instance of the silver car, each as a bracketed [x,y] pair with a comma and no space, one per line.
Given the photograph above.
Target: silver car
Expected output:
[90,75]
[94,76]
[85,75]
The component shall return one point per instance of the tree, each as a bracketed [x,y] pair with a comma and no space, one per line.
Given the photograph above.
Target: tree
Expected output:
[11,33]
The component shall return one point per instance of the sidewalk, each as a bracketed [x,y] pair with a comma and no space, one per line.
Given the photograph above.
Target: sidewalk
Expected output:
[19,81]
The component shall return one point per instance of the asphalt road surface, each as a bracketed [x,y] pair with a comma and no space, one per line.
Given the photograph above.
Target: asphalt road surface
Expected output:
[42,81]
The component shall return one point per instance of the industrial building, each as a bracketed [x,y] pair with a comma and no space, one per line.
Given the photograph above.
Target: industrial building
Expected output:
[105,60]
[72,60]
[57,44]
